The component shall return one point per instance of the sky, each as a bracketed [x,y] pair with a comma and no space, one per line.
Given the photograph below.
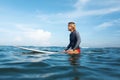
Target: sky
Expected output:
[44,22]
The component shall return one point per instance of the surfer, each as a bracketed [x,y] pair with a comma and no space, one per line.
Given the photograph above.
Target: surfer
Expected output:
[75,40]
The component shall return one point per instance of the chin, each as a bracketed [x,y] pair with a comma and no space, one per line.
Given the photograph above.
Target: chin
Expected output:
[69,30]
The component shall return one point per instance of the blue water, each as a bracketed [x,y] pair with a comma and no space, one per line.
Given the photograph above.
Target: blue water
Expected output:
[91,64]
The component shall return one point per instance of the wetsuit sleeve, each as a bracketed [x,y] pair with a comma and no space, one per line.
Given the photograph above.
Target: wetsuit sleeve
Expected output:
[78,40]
[68,47]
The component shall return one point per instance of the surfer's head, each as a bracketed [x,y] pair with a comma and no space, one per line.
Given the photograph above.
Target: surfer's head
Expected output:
[71,26]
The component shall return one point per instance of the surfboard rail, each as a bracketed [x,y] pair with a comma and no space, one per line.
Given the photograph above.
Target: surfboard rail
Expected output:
[33,50]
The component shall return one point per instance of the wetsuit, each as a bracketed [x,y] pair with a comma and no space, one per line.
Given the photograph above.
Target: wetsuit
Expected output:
[75,41]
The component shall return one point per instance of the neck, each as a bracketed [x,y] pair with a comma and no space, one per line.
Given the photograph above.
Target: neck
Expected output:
[72,30]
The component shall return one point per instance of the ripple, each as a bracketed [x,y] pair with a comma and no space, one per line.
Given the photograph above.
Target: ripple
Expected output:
[93,64]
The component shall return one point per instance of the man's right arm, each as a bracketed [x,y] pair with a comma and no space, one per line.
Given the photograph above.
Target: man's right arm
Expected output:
[68,47]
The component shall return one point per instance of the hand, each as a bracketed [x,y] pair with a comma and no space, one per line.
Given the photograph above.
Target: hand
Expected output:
[64,51]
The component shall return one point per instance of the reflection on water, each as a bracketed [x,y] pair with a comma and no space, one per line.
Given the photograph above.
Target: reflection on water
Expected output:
[74,62]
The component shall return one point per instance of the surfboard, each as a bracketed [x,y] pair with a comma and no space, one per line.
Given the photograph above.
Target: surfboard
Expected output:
[33,50]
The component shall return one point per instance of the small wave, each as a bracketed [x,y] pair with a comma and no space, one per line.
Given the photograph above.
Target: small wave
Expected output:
[100,62]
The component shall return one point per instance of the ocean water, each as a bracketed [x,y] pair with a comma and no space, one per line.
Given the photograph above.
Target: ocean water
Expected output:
[91,64]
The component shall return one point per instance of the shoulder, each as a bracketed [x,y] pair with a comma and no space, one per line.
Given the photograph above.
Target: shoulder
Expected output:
[76,32]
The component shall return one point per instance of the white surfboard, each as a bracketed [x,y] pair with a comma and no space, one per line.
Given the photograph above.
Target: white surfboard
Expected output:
[34,50]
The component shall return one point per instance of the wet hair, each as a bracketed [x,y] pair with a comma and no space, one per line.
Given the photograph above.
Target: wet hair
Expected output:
[71,23]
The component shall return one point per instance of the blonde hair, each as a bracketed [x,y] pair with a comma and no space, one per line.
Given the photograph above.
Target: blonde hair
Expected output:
[73,25]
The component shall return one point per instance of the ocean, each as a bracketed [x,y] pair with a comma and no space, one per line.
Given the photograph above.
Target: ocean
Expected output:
[91,64]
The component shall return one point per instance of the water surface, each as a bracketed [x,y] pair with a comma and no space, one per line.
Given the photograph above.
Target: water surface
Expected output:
[91,64]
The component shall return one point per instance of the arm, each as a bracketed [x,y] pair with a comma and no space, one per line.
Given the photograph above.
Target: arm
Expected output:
[68,47]
[78,40]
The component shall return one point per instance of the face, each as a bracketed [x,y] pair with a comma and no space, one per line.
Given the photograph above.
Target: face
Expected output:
[70,28]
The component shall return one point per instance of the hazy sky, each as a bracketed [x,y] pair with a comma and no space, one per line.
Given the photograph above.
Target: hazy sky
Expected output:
[44,22]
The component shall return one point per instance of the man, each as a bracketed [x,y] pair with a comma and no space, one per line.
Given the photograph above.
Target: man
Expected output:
[75,40]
